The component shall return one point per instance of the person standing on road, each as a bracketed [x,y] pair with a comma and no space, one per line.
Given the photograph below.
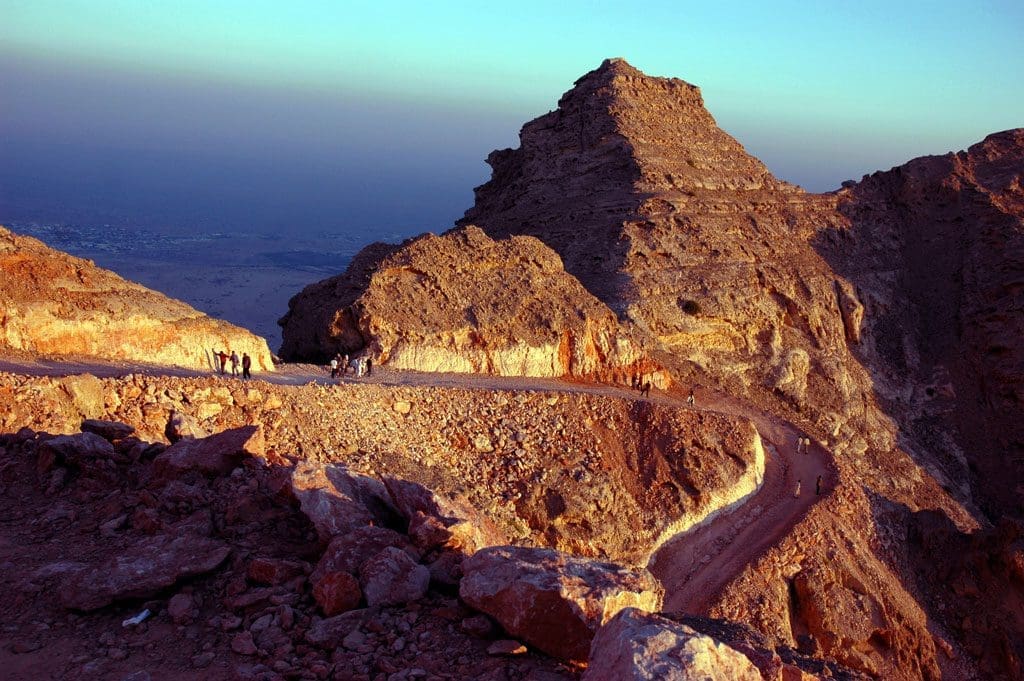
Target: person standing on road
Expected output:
[234,363]
[817,486]
[334,367]
[689,398]
[796,492]
[222,357]
[246,365]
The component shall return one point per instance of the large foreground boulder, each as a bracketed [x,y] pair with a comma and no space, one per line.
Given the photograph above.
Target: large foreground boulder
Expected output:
[212,456]
[142,570]
[552,600]
[338,501]
[639,646]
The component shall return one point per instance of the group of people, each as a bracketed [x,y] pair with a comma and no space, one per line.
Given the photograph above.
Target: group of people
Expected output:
[642,384]
[361,366]
[223,358]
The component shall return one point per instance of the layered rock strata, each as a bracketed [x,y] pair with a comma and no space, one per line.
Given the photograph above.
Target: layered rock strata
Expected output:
[53,304]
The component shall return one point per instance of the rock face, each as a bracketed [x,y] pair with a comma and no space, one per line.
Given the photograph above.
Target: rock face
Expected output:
[55,304]
[443,303]
[935,248]
[636,645]
[551,600]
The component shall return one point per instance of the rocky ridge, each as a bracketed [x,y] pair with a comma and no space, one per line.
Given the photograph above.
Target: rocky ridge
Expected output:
[54,304]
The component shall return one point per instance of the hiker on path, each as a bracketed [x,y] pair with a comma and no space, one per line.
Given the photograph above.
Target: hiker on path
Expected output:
[817,486]
[334,366]
[246,365]
[796,492]
[234,363]
[645,389]
[369,366]
[223,359]
[689,398]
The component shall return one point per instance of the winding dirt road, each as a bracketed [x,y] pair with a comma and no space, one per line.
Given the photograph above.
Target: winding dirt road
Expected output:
[696,565]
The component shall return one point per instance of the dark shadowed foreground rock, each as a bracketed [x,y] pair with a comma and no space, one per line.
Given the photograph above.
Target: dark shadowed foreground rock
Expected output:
[347,552]
[337,501]
[551,600]
[213,456]
[72,450]
[143,569]
[392,577]
[637,645]
[108,430]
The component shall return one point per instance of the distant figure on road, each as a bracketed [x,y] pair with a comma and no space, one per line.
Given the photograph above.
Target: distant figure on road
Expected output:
[234,363]
[334,366]
[817,486]
[357,366]
[796,492]
[246,365]
[689,398]
[369,366]
[645,389]
[343,365]
[223,359]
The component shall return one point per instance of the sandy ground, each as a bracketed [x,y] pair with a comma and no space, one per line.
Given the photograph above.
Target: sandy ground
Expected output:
[694,566]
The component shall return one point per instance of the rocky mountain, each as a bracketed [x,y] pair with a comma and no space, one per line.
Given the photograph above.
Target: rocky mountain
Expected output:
[935,249]
[882,319]
[54,304]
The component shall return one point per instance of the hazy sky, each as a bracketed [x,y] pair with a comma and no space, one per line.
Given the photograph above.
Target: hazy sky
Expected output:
[378,116]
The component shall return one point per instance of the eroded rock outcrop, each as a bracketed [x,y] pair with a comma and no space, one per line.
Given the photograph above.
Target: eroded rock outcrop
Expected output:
[464,302]
[54,304]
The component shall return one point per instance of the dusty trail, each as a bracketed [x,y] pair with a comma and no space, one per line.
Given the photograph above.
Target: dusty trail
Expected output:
[694,566]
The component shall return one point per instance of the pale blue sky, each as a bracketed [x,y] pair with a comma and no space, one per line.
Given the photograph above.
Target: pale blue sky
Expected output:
[384,112]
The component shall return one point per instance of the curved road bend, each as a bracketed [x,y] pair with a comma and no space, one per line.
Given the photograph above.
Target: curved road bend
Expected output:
[695,566]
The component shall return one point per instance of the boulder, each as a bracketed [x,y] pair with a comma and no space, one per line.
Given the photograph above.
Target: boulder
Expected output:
[337,592]
[108,430]
[551,600]
[347,552]
[636,645]
[73,450]
[212,456]
[329,633]
[391,577]
[338,501]
[142,570]
[438,522]
[181,426]
[273,571]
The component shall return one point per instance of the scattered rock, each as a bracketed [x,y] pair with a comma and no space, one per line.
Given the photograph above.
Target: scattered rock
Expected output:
[506,647]
[336,500]
[179,608]
[108,430]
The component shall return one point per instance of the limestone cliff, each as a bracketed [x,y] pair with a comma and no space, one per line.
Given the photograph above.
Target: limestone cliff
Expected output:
[54,304]
[464,302]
